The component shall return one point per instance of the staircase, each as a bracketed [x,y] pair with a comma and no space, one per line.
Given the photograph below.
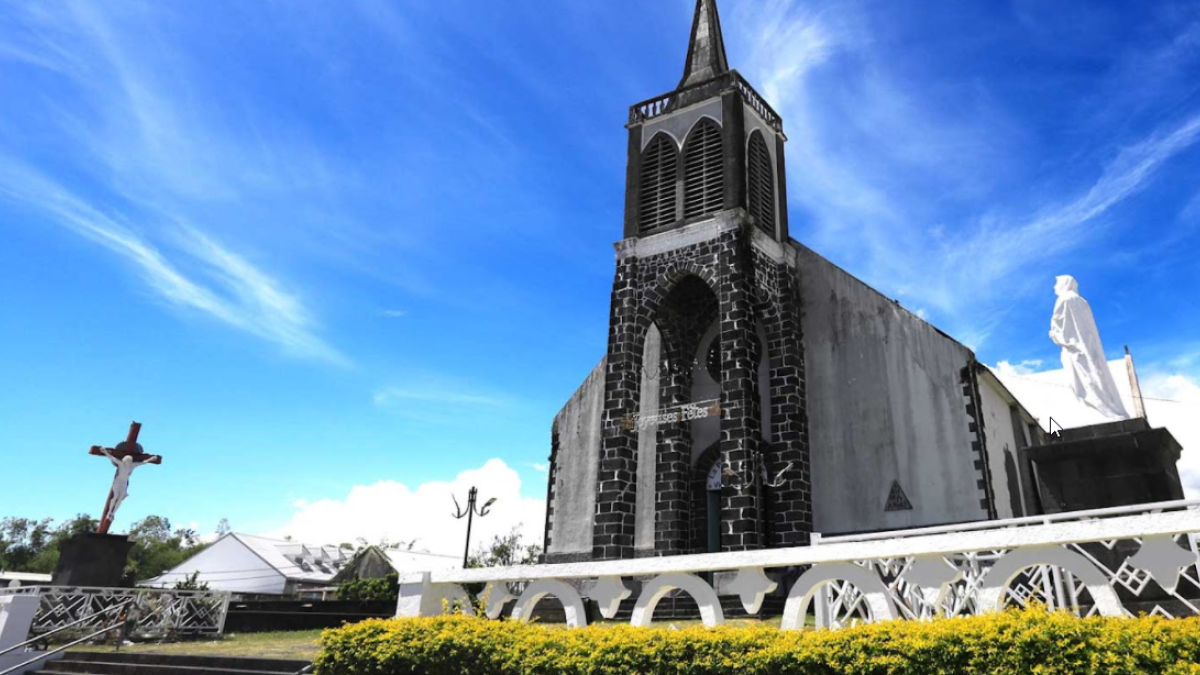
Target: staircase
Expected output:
[117,663]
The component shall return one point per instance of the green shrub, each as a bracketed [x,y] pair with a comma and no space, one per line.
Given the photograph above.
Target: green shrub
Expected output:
[386,588]
[1011,643]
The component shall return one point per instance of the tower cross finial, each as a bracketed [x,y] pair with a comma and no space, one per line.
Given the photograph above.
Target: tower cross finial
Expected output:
[706,51]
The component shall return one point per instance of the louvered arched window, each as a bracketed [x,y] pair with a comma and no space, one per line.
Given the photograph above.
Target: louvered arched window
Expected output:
[760,183]
[660,172]
[703,189]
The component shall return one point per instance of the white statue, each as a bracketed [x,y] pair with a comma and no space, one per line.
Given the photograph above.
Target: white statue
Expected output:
[1074,329]
[127,456]
[120,485]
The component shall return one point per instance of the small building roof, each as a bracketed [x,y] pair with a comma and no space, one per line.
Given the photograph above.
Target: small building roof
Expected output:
[23,578]
[294,560]
[249,563]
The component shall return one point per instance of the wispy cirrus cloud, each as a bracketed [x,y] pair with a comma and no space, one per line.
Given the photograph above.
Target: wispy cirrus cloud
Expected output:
[438,402]
[156,170]
[998,248]
[197,274]
[917,186]
[398,396]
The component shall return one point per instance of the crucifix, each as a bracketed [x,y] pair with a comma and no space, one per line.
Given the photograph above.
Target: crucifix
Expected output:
[127,456]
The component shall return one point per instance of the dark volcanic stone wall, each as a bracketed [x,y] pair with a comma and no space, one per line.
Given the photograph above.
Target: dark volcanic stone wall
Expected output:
[750,289]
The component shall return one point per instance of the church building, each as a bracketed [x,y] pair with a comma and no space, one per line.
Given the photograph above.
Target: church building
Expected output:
[752,392]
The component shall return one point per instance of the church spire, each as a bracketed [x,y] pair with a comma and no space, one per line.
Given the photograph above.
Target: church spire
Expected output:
[706,52]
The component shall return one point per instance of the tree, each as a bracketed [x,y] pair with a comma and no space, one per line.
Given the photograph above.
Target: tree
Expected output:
[157,548]
[386,588]
[505,551]
[21,541]
[223,527]
[28,545]
[191,583]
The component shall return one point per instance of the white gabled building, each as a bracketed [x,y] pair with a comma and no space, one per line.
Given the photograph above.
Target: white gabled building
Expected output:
[251,565]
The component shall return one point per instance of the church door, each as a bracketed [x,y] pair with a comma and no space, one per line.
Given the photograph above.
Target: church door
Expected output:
[714,506]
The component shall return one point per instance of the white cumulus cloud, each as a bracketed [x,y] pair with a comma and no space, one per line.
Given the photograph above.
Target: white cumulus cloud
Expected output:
[1173,402]
[395,512]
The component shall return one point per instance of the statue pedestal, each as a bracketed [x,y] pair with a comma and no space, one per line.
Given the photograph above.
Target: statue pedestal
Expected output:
[1106,465]
[91,559]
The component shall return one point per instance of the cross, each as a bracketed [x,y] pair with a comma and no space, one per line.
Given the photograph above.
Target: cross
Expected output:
[127,456]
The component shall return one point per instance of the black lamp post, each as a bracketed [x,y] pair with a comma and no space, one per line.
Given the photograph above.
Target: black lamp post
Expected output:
[469,513]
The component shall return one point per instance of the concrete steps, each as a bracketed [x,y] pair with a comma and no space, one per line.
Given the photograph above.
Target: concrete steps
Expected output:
[117,663]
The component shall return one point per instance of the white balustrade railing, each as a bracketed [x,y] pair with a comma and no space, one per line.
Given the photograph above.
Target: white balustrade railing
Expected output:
[155,613]
[1112,562]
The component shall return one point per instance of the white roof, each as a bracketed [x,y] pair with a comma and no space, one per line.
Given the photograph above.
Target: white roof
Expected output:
[1049,394]
[412,561]
[247,563]
[296,561]
[24,577]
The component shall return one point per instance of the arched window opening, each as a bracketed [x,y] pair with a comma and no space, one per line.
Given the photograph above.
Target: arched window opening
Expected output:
[703,189]
[660,169]
[760,190]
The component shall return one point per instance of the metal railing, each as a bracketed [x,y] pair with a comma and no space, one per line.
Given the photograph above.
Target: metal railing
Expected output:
[701,91]
[60,629]
[20,667]
[1111,562]
[159,613]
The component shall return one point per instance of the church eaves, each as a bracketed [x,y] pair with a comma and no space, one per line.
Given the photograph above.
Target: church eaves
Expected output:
[706,51]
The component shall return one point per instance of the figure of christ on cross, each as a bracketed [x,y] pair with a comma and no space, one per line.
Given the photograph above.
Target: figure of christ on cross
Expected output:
[127,456]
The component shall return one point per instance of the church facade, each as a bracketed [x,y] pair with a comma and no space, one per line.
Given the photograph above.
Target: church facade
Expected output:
[752,392]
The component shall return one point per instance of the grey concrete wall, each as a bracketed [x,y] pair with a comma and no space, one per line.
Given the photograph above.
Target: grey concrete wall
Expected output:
[885,403]
[579,425]
[1000,442]
[643,528]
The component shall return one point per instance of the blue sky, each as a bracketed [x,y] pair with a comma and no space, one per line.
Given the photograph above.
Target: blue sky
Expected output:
[321,249]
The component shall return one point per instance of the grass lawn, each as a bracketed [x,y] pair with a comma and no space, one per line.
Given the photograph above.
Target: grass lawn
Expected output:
[301,645]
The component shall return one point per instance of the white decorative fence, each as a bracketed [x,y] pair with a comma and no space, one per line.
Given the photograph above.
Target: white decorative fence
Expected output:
[154,613]
[1114,562]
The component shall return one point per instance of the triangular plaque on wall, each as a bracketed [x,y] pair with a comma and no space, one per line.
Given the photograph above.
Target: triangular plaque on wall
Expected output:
[897,500]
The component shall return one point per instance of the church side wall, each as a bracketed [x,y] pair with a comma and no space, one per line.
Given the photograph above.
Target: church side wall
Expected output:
[885,404]
[1002,450]
[576,462]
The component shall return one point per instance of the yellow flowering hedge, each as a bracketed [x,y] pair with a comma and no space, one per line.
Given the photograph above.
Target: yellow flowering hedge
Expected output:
[1014,642]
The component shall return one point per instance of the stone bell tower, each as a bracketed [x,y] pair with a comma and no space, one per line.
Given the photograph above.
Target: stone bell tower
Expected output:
[704,413]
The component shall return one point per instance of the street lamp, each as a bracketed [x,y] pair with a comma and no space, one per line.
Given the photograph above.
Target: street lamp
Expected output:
[469,513]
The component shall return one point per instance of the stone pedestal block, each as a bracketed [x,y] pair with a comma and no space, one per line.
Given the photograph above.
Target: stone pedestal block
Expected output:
[1106,465]
[91,559]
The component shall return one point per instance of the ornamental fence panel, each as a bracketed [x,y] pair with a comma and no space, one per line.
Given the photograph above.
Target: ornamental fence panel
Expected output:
[1112,562]
[154,613]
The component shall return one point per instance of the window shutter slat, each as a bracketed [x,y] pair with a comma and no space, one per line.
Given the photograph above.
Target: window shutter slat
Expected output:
[660,165]
[760,191]
[704,191]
